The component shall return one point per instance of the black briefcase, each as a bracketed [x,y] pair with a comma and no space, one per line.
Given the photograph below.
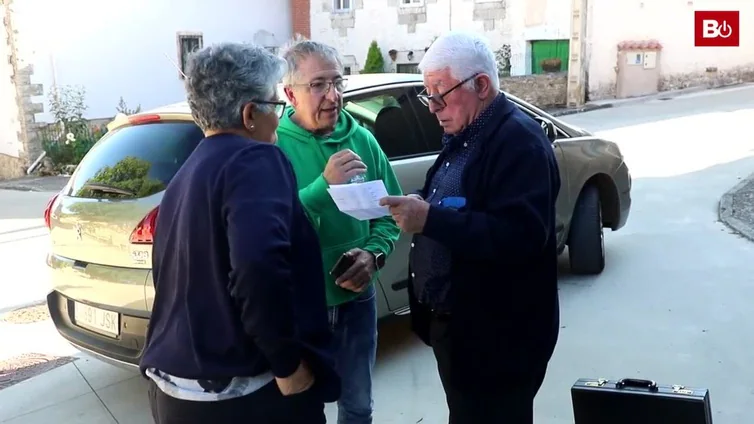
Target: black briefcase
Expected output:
[632,401]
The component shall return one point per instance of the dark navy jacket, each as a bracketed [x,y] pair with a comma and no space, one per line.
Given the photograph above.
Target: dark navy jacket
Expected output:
[430,260]
[237,270]
[504,298]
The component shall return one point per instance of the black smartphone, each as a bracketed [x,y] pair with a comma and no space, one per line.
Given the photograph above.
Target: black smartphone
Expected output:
[342,265]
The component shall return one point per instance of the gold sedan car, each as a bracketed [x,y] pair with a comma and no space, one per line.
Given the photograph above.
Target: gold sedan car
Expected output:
[101,223]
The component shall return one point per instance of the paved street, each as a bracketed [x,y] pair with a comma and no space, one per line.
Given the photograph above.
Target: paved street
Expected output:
[673,305]
[23,247]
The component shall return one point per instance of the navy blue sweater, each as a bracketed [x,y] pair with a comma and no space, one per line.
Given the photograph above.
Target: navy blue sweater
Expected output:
[237,268]
[504,294]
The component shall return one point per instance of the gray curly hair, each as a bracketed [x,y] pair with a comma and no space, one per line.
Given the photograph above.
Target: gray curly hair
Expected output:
[221,78]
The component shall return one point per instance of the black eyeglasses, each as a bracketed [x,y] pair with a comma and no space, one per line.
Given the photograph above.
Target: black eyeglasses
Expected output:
[279,106]
[439,99]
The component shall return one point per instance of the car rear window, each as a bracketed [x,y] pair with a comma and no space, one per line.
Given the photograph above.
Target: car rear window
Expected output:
[135,161]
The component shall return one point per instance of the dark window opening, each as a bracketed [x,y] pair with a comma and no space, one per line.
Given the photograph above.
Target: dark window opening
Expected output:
[408,68]
[188,44]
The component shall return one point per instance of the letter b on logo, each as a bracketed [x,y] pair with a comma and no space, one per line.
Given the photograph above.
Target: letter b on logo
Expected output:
[716,28]
[710,28]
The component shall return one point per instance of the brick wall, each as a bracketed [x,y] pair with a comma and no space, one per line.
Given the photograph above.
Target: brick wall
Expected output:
[301,13]
[543,90]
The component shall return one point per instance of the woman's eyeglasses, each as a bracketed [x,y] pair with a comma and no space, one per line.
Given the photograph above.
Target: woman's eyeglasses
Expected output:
[439,99]
[279,106]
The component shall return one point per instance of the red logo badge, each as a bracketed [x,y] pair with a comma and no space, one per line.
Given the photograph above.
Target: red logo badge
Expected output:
[719,28]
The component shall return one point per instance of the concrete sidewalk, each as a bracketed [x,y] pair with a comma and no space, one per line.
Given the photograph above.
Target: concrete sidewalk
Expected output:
[88,391]
[661,96]
[83,390]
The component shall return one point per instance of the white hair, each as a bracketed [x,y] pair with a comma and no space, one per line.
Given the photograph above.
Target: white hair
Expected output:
[464,54]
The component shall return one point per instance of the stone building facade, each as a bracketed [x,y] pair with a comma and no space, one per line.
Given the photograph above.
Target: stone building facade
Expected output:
[591,29]
[403,30]
[19,146]
[138,58]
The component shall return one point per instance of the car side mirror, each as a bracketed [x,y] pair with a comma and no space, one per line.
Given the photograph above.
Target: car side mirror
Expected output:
[549,128]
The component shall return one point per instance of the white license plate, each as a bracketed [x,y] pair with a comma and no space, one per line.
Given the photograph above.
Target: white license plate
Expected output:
[96,319]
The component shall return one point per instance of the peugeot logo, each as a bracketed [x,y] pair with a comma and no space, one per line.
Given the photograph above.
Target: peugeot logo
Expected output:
[79,232]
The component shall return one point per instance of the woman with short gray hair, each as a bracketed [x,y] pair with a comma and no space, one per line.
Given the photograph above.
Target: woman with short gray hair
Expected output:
[239,322]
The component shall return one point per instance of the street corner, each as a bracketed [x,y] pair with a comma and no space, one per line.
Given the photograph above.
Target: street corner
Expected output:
[736,209]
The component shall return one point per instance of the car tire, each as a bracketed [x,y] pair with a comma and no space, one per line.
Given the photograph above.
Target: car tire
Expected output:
[586,239]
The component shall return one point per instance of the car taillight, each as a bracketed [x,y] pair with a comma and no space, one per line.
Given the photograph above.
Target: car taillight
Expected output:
[143,119]
[48,210]
[144,232]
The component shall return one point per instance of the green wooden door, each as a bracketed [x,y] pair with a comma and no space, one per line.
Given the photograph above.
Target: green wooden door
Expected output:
[549,49]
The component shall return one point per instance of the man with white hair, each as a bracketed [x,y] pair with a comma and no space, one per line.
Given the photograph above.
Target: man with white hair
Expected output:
[483,264]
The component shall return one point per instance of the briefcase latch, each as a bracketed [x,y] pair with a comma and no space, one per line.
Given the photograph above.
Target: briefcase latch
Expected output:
[599,383]
[681,390]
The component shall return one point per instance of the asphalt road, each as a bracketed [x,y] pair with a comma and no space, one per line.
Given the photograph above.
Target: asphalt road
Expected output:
[673,305]
[23,248]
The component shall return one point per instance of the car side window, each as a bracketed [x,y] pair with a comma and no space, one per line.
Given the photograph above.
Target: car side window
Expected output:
[388,115]
[558,132]
[431,130]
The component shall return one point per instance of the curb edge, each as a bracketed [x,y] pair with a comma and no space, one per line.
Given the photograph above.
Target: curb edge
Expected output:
[725,210]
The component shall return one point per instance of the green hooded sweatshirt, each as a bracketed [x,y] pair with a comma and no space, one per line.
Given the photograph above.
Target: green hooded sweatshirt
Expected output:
[338,232]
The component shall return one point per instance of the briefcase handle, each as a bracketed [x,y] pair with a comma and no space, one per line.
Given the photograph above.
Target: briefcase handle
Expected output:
[635,382]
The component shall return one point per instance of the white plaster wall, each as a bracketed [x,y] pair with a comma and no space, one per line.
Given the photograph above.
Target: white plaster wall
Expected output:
[377,21]
[672,23]
[535,20]
[118,49]
[9,143]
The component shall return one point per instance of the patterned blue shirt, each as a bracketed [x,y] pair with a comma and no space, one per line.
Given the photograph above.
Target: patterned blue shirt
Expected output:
[430,260]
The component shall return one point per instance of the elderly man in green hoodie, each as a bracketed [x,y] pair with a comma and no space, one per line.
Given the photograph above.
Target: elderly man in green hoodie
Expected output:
[327,146]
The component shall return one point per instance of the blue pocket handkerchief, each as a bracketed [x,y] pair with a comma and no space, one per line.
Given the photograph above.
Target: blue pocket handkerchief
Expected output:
[456,203]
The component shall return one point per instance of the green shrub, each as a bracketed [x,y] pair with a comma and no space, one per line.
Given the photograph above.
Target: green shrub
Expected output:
[70,147]
[375,63]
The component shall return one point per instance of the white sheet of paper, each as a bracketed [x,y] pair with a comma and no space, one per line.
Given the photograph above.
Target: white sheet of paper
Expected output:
[360,200]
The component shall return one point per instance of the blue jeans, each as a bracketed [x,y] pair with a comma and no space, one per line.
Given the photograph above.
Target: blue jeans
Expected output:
[354,326]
